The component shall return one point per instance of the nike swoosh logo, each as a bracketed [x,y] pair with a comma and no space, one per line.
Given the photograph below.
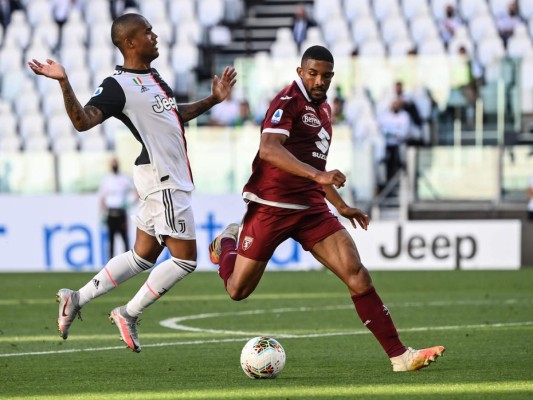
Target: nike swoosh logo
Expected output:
[65,306]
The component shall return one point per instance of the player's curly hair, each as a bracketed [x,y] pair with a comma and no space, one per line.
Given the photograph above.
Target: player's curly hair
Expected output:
[319,53]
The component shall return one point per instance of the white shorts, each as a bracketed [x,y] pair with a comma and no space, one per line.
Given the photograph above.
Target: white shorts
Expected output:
[167,213]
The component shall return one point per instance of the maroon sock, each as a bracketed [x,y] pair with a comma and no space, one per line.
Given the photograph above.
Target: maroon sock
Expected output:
[375,316]
[228,255]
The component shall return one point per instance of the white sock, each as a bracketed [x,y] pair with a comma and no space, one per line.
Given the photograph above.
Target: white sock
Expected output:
[160,280]
[116,271]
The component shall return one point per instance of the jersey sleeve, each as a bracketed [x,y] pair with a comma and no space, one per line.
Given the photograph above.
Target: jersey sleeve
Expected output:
[279,117]
[109,98]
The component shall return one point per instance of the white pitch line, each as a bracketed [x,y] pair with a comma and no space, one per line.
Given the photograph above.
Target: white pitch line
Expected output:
[281,336]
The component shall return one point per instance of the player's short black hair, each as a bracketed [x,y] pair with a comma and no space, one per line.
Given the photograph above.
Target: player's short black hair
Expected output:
[122,27]
[319,53]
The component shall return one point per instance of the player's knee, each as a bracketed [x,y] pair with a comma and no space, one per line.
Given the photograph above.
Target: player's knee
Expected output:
[238,294]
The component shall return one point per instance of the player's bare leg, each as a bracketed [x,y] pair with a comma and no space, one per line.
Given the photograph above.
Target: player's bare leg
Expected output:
[338,253]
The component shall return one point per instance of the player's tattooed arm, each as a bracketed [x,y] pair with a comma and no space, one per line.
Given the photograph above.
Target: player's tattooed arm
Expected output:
[192,110]
[83,118]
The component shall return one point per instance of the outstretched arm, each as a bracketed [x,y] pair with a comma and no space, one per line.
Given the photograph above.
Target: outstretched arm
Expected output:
[352,213]
[220,89]
[83,118]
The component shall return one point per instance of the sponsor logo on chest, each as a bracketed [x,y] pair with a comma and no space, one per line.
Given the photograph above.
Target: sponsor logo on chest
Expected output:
[311,120]
[164,104]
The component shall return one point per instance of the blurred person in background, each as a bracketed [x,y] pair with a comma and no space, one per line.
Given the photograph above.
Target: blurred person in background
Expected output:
[226,113]
[300,24]
[6,9]
[138,96]
[395,126]
[115,195]
[507,22]
[286,198]
[448,24]
[245,114]
[406,103]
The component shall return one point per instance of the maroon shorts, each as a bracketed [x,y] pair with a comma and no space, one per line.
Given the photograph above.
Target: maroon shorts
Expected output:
[264,228]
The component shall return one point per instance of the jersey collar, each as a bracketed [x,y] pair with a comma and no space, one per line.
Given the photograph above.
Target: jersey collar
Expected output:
[133,71]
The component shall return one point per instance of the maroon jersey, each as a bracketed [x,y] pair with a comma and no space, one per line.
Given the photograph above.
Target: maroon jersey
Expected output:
[307,125]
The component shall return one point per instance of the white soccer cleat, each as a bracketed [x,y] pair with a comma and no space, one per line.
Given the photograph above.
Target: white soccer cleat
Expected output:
[231,232]
[69,308]
[127,326]
[413,360]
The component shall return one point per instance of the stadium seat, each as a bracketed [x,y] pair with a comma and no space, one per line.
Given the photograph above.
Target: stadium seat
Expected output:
[36,142]
[490,50]
[46,33]
[473,8]
[92,140]
[431,47]
[519,45]
[155,11]
[324,9]
[414,8]
[384,9]
[372,48]
[11,58]
[19,32]
[97,12]
[423,28]
[59,124]
[400,47]
[10,143]
[182,11]
[525,8]
[190,31]
[219,35]
[364,30]
[356,10]
[73,57]
[498,7]
[31,125]
[482,27]
[314,37]
[74,31]
[210,12]
[393,29]
[39,11]
[100,58]
[26,104]
[334,29]
[8,122]
[64,143]
[438,8]
[99,33]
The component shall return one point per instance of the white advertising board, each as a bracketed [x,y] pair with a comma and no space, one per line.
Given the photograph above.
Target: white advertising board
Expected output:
[64,233]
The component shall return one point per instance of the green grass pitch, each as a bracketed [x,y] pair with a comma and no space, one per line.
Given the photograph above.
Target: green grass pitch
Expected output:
[484,318]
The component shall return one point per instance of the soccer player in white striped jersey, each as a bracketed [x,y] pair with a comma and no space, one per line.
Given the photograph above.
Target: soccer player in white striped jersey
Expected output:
[138,96]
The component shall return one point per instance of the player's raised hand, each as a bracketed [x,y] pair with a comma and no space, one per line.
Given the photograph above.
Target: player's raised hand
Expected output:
[222,86]
[51,69]
[333,177]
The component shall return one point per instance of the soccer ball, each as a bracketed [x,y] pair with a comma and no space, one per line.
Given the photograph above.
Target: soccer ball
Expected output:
[262,357]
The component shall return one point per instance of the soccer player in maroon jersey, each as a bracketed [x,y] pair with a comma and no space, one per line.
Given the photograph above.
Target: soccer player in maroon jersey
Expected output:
[286,198]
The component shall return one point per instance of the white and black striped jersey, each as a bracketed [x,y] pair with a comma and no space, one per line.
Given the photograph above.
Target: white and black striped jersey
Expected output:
[146,105]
